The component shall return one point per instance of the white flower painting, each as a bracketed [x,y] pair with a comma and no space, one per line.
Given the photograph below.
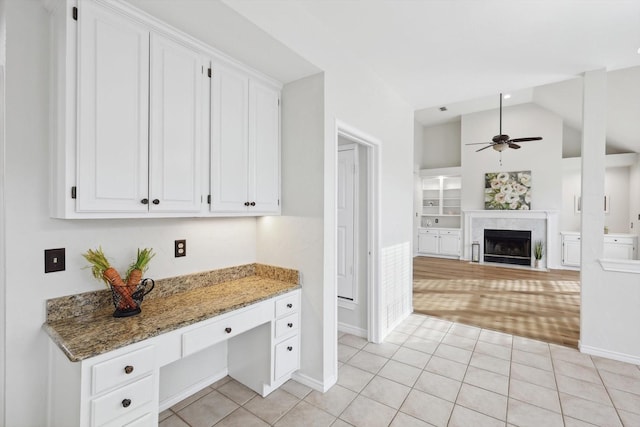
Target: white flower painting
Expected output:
[507,190]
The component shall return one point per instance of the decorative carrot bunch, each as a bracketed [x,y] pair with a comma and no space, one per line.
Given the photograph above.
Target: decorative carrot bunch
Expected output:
[102,270]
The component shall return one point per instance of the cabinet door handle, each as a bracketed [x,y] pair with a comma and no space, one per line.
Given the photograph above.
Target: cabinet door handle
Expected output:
[126,403]
[290,325]
[156,202]
[289,348]
[144,201]
[253,203]
[246,203]
[128,369]
[227,330]
[289,305]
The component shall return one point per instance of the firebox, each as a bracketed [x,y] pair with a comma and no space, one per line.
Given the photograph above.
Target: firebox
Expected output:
[507,246]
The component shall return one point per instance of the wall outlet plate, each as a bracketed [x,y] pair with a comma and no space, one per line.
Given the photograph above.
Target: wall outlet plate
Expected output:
[180,248]
[54,260]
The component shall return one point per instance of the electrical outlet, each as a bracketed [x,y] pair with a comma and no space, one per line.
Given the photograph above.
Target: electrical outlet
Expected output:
[180,248]
[54,260]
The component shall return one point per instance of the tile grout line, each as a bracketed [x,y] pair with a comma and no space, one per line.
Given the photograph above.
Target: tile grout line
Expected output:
[615,408]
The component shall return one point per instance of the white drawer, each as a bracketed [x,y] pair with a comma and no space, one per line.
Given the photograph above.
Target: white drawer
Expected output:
[147,420]
[286,325]
[618,240]
[123,402]
[454,232]
[226,328]
[287,355]
[121,369]
[428,231]
[571,238]
[287,305]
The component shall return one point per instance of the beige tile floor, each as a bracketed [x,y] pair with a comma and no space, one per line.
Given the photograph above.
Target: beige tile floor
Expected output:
[432,372]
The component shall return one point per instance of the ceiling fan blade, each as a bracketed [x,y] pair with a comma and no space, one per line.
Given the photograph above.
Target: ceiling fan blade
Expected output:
[484,148]
[512,145]
[478,143]
[532,138]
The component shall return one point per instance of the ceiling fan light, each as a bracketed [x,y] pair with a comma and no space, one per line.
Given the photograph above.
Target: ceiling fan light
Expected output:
[500,147]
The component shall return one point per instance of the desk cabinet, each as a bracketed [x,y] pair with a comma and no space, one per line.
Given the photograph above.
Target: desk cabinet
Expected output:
[615,246]
[121,387]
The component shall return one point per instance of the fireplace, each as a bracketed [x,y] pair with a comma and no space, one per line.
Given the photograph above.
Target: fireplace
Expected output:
[507,246]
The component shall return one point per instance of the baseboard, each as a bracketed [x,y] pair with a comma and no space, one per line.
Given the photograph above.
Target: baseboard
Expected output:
[191,390]
[608,354]
[353,330]
[321,386]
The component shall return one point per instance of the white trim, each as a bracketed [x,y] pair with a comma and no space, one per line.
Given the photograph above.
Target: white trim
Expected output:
[374,304]
[191,390]
[600,352]
[349,329]
[620,265]
[3,270]
[313,383]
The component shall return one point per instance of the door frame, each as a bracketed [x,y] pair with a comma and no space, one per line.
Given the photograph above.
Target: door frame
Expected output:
[374,305]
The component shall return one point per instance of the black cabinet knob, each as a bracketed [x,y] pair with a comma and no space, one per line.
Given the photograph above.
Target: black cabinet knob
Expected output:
[289,305]
[246,203]
[126,403]
[253,203]
[289,348]
[227,330]
[156,202]
[128,369]
[290,325]
[144,201]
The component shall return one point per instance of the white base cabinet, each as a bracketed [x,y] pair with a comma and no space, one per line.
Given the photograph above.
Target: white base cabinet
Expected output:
[443,242]
[616,246]
[121,387]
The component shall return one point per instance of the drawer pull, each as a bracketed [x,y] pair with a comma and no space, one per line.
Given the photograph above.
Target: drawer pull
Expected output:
[289,348]
[128,369]
[290,325]
[227,330]
[289,305]
[126,402]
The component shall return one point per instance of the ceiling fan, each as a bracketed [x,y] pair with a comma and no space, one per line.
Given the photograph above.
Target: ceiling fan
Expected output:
[500,142]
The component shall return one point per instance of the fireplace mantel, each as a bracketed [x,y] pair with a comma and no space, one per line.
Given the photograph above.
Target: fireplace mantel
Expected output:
[548,217]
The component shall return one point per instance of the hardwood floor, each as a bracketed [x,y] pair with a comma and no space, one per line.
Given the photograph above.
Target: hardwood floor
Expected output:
[543,305]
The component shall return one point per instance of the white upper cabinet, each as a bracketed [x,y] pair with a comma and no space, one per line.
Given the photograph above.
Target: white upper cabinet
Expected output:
[113,105]
[229,139]
[140,131]
[245,144]
[175,127]
[264,146]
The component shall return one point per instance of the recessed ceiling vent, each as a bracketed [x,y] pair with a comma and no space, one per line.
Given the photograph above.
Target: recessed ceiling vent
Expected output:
[443,108]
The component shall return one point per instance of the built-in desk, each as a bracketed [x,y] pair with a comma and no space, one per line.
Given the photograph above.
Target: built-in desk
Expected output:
[105,371]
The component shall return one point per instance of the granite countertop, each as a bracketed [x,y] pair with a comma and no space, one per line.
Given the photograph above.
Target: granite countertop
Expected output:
[96,332]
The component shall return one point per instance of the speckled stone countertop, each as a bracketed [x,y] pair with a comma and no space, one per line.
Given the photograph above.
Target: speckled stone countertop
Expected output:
[83,326]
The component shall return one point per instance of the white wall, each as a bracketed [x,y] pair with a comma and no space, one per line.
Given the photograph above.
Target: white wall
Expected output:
[295,239]
[211,243]
[441,146]
[543,158]
[617,186]
[634,196]
[358,97]
[3,34]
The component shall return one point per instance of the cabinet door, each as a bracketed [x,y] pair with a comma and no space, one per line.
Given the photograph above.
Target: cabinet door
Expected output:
[428,243]
[450,243]
[112,112]
[229,140]
[613,250]
[175,126]
[571,252]
[264,146]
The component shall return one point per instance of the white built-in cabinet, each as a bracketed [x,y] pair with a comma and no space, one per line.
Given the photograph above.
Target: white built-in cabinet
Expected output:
[245,143]
[615,246]
[439,242]
[132,124]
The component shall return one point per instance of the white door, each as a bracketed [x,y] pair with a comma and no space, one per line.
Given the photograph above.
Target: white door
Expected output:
[450,243]
[113,111]
[571,252]
[264,148]
[175,127]
[428,243]
[229,140]
[346,222]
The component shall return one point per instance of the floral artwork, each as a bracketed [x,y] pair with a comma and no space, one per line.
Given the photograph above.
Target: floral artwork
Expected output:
[507,190]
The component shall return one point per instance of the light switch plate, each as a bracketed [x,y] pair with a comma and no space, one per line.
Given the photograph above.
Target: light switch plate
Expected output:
[54,260]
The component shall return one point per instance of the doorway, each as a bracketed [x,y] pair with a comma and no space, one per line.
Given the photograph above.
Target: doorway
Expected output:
[357,299]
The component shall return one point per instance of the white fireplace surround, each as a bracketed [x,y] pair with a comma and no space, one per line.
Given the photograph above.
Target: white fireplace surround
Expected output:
[542,224]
